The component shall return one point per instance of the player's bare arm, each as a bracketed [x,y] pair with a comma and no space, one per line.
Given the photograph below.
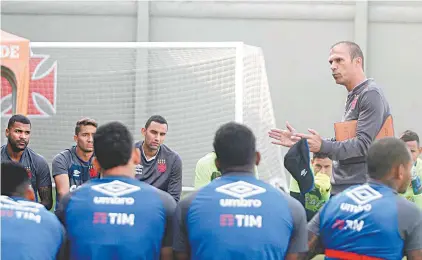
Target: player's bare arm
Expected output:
[62,184]
[296,256]
[182,256]
[46,196]
[314,245]
[166,253]
[415,255]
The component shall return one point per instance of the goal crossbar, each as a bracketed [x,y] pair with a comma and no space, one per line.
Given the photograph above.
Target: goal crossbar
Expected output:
[130,45]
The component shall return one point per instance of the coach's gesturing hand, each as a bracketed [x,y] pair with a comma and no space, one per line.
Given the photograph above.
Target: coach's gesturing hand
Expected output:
[314,140]
[283,137]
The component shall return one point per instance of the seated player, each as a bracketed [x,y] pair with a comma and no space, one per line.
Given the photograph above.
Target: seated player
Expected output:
[160,166]
[237,216]
[414,193]
[315,199]
[18,133]
[206,171]
[28,230]
[371,221]
[117,216]
[73,167]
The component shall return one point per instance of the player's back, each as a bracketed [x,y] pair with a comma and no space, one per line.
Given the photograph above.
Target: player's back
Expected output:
[240,217]
[28,230]
[115,218]
[368,220]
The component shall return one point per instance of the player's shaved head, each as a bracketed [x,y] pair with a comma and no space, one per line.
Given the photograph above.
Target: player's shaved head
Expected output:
[235,147]
[113,145]
[14,179]
[386,156]
[354,50]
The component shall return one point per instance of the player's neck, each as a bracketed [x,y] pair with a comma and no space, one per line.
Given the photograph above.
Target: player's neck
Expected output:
[149,153]
[247,169]
[15,156]
[85,156]
[120,171]
[390,183]
[355,82]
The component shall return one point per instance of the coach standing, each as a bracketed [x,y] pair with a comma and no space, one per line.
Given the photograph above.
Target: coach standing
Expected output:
[365,103]
[160,166]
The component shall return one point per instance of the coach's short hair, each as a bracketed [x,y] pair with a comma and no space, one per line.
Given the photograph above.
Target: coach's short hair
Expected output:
[354,50]
[320,155]
[156,118]
[384,154]
[18,118]
[409,136]
[234,145]
[14,178]
[84,122]
[113,145]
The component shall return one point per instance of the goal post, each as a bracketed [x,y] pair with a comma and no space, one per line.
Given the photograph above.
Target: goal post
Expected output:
[196,86]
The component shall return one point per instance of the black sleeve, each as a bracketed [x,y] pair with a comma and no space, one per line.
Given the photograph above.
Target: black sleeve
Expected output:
[299,239]
[170,207]
[175,181]
[62,207]
[180,233]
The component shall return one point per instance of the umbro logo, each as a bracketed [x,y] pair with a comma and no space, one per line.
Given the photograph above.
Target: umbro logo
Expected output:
[115,188]
[240,189]
[303,172]
[76,173]
[363,194]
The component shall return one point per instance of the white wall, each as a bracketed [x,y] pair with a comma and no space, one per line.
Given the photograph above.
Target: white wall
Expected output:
[295,36]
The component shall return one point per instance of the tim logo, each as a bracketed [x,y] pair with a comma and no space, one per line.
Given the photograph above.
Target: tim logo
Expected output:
[354,225]
[240,190]
[230,220]
[42,89]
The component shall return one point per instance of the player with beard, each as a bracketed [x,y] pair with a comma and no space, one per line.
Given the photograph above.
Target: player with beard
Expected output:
[18,133]
[73,167]
[160,166]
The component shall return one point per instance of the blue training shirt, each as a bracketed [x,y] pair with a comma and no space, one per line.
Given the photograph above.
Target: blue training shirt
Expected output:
[117,218]
[28,230]
[239,217]
[369,220]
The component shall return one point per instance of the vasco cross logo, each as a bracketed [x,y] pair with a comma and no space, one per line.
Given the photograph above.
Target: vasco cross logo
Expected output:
[240,190]
[115,190]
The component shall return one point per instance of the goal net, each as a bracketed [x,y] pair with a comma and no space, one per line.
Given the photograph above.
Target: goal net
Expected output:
[196,86]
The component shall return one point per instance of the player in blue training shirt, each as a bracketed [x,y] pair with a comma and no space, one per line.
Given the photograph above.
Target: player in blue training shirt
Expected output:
[73,167]
[28,229]
[237,216]
[18,133]
[159,166]
[371,221]
[117,217]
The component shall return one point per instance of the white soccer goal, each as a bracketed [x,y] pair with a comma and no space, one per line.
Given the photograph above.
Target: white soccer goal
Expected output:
[195,86]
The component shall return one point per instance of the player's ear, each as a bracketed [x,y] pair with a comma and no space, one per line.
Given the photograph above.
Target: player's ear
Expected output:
[257,158]
[143,131]
[217,164]
[75,138]
[136,156]
[29,193]
[7,132]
